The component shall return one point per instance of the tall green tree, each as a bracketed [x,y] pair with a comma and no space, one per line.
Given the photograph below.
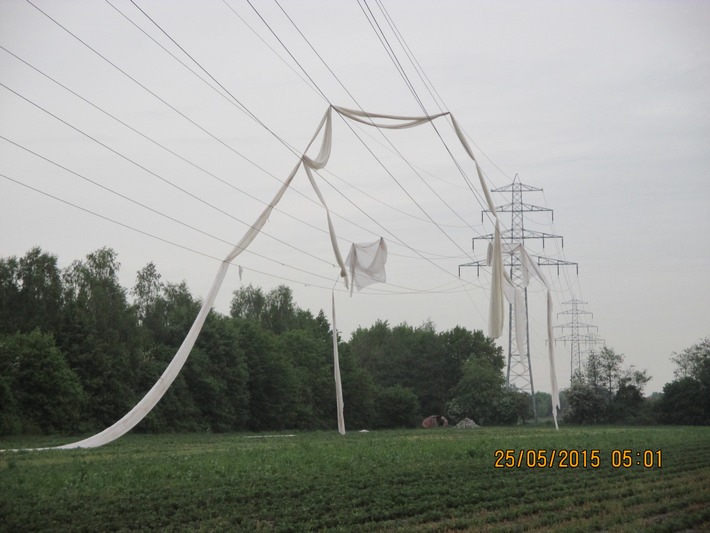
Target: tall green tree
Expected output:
[686,400]
[605,392]
[217,376]
[39,392]
[272,381]
[99,336]
[167,311]
[479,391]
[30,293]
[311,361]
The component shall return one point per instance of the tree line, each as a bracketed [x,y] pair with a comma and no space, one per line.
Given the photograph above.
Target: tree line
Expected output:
[78,350]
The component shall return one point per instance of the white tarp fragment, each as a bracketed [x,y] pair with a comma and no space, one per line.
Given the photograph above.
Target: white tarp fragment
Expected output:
[366,263]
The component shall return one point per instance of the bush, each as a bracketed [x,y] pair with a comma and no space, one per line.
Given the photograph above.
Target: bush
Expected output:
[397,407]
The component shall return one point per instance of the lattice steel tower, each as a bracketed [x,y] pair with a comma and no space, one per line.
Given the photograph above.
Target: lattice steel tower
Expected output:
[579,333]
[519,368]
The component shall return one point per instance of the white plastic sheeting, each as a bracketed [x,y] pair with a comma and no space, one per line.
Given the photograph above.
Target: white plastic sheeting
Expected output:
[144,406]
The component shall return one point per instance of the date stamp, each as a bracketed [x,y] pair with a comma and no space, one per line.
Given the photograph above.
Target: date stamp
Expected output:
[572,458]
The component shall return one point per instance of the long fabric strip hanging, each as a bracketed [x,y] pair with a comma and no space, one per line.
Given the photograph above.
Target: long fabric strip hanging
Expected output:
[514,295]
[146,404]
[153,396]
[339,404]
[366,262]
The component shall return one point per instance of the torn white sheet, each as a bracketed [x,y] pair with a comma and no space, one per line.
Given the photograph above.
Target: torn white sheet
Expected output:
[366,263]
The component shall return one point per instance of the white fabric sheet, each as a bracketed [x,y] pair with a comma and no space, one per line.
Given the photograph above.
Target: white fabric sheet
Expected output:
[146,404]
[514,295]
[135,415]
[336,368]
[366,263]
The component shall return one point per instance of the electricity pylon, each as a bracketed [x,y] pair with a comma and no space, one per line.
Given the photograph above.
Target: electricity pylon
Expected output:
[576,338]
[519,368]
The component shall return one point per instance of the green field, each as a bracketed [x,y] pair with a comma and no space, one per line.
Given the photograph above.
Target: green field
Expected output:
[418,480]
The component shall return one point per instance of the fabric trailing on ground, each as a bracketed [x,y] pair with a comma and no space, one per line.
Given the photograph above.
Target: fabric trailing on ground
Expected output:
[153,396]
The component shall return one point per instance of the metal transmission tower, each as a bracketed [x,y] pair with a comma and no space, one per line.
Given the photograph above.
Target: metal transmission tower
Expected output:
[579,333]
[519,368]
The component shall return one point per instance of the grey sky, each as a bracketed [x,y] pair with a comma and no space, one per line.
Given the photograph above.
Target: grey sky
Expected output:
[604,105]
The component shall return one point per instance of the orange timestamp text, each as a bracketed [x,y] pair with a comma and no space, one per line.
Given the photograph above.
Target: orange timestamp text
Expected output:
[543,458]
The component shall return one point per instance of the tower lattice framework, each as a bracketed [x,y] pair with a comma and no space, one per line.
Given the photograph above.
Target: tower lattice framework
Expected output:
[580,334]
[519,367]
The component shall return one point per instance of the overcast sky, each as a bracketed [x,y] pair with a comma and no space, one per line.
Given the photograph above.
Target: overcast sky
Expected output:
[603,105]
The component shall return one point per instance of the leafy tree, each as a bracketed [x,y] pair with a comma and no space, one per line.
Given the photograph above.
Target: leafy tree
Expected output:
[609,364]
[30,293]
[684,402]
[248,303]
[397,407]
[313,403]
[512,406]
[606,393]
[479,390]
[40,393]
[167,312]
[543,404]
[587,402]
[9,295]
[217,376]
[359,391]
[687,399]
[99,336]
[272,382]
[693,362]
[430,364]
[147,290]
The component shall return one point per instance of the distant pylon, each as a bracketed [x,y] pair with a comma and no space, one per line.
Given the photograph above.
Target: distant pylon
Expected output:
[576,338]
[519,368]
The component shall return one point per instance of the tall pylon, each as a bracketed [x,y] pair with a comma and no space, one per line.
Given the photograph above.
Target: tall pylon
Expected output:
[519,368]
[580,334]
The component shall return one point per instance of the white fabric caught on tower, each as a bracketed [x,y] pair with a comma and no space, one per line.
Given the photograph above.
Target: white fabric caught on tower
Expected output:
[364,274]
[514,295]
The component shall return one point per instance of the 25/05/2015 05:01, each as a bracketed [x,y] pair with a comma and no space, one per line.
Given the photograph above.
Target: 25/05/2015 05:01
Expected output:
[542,458]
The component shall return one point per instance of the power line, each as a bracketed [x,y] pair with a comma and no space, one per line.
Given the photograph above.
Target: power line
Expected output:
[389,232]
[242,108]
[393,56]
[130,78]
[209,256]
[271,131]
[157,176]
[364,144]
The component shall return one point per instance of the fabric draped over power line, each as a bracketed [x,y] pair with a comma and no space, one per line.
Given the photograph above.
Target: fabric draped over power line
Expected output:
[366,262]
[514,294]
[153,396]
